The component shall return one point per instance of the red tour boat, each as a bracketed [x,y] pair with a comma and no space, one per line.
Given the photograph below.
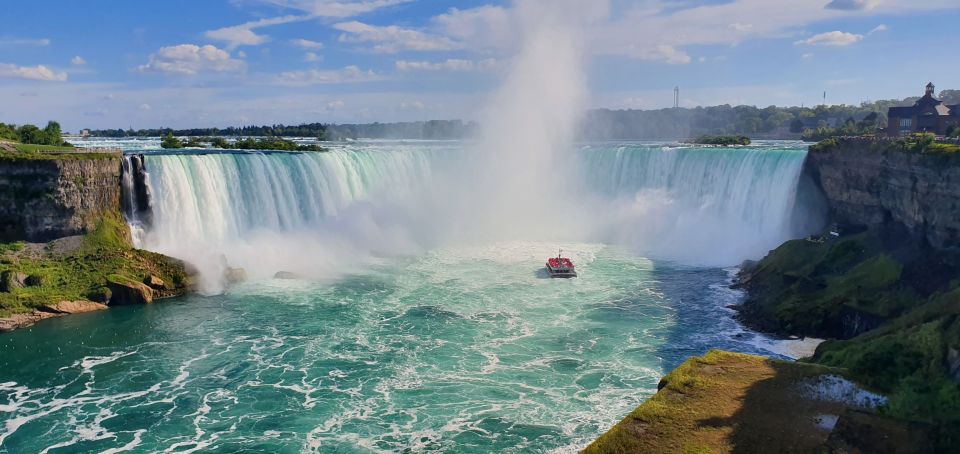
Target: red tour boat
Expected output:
[560,266]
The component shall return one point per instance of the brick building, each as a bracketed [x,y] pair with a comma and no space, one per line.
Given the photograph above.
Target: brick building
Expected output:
[928,114]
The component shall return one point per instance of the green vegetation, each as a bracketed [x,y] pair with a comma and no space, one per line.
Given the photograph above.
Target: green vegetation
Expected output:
[263,143]
[426,130]
[32,148]
[871,124]
[725,141]
[68,155]
[725,402]
[169,141]
[925,143]
[896,336]
[30,134]
[82,273]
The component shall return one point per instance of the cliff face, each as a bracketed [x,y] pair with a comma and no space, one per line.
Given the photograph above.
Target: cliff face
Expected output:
[41,200]
[913,192]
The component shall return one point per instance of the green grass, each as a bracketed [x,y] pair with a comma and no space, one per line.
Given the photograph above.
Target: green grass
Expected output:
[723,402]
[20,157]
[807,288]
[83,273]
[33,148]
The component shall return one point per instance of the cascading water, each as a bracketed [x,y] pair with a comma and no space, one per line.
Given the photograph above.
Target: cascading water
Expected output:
[309,213]
[135,185]
[698,205]
[320,215]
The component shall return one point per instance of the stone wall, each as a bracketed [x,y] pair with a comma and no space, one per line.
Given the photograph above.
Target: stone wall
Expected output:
[45,199]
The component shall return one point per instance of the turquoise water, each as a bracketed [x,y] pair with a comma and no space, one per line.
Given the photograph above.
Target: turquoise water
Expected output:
[445,346]
[460,350]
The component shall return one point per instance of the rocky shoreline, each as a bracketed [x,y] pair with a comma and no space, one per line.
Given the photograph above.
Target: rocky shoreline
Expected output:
[67,248]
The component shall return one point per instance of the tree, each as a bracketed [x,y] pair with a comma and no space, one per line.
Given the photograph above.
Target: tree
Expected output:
[30,134]
[52,135]
[169,141]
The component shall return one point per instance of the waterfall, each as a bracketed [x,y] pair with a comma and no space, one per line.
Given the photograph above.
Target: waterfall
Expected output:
[703,205]
[136,204]
[321,214]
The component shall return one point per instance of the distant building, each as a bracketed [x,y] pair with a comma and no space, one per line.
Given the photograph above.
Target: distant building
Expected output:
[928,114]
[84,133]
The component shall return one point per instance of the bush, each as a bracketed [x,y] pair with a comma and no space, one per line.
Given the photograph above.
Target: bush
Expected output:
[170,142]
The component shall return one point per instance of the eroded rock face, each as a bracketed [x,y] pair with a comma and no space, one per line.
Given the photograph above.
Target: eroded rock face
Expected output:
[47,199]
[125,292]
[911,192]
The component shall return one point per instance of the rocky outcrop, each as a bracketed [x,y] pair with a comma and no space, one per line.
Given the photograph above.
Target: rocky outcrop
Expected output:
[61,308]
[866,183]
[73,307]
[125,292]
[45,199]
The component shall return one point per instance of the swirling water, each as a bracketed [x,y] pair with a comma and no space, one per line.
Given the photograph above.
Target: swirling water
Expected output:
[458,348]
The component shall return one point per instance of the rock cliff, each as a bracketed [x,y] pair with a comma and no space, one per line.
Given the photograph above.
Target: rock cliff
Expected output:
[867,184]
[45,199]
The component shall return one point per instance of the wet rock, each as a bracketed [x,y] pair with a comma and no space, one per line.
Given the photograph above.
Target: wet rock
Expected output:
[74,307]
[155,282]
[11,280]
[953,363]
[235,275]
[100,295]
[24,320]
[287,275]
[125,291]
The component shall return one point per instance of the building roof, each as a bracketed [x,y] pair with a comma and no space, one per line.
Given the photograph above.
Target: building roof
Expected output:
[925,104]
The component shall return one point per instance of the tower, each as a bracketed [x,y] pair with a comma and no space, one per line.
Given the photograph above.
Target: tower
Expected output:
[930,89]
[676,97]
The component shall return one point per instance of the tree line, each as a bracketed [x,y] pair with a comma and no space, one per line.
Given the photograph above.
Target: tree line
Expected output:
[812,123]
[31,134]
[426,130]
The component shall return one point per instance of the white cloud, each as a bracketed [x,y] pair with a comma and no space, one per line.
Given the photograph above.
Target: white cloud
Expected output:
[306,44]
[312,57]
[806,56]
[415,105]
[663,53]
[834,38]
[878,29]
[392,39]
[325,76]
[145,107]
[335,105]
[78,61]
[335,8]
[38,72]
[24,42]
[451,64]
[852,5]
[190,59]
[243,34]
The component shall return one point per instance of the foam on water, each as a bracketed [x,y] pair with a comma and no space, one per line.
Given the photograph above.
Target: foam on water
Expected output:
[458,350]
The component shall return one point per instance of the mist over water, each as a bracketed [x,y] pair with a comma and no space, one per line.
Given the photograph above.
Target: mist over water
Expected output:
[327,215]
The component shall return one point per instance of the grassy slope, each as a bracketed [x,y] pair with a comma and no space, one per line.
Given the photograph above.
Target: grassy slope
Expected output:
[811,288]
[724,402]
[81,274]
[807,288]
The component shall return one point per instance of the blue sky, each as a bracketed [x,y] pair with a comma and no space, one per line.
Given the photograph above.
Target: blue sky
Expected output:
[179,63]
